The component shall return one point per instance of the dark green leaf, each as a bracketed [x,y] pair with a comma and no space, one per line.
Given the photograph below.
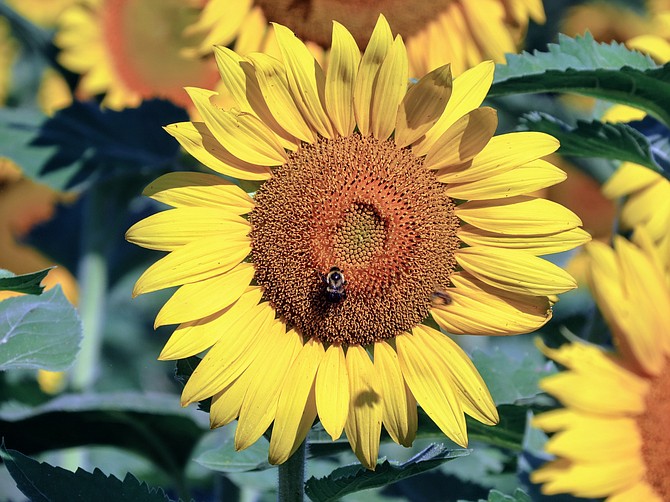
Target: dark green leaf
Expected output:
[28,284]
[595,139]
[354,478]
[582,66]
[152,425]
[508,433]
[226,459]
[39,332]
[84,144]
[41,482]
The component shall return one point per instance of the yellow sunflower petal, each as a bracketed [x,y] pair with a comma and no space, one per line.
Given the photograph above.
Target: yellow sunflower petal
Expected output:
[174,228]
[273,84]
[473,393]
[296,409]
[597,440]
[191,338]
[378,46]
[639,491]
[241,133]
[305,79]
[627,179]
[197,140]
[522,180]
[229,357]
[501,154]
[648,304]
[234,78]
[429,380]
[277,352]
[389,90]
[198,260]
[219,29]
[486,21]
[469,90]
[605,387]
[226,404]
[533,244]
[479,309]
[423,105]
[332,391]
[364,423]
[399,412]
[654,45]
[340,79]
[463,140]
[515,271]
[203,298]
[597,479]
[188,189]
[520,215]
[252,32]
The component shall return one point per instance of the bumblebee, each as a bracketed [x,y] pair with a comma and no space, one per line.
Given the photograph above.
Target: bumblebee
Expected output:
[440,298]
[335,282]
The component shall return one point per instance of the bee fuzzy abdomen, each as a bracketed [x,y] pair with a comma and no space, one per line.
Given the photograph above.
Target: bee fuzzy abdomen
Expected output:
[335,285]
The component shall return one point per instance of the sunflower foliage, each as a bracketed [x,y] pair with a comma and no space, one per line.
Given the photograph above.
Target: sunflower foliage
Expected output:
[86,411]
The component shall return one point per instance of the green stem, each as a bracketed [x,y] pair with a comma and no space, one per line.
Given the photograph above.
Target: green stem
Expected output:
[92,277]
[292,476]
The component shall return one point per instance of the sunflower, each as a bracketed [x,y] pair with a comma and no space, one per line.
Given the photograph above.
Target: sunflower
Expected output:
[611,438]
[320,301]
[109,43]
[460,32]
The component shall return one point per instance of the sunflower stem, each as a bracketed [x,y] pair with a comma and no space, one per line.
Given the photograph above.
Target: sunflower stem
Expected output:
[92,275]
[292,476]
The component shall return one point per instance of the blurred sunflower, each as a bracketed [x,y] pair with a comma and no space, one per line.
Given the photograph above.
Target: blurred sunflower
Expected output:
[460,32]
[24,205]
[53,92]
[611,439]
[646,193]
[110,44]
[353,240]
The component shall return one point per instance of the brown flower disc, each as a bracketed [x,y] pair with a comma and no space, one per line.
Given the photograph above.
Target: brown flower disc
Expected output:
[312,19]
[654,424]
[368,208]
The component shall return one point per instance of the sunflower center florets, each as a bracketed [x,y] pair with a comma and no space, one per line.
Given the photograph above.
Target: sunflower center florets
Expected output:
[361,235]
[654,425]
[368,209]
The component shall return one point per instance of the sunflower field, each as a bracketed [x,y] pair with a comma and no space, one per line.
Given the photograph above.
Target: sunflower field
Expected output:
[257,250]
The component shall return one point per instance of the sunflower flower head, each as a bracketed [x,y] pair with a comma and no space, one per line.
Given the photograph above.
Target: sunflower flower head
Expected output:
[611,438]
[109,44]
[460,32]
[379,208]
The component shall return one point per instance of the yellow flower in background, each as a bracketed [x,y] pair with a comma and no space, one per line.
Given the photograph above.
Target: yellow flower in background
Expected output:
[122,54]
[611,439]
[646,193]
[53,92]
[24,205]
[314,303]
[460,32]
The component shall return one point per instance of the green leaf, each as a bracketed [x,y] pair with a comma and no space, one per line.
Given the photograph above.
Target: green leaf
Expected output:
[85,144]
[512,377]
[28,284]
[518,496]
[226,459]
[507,433]
[41,332]
[150,424]
[41,482]
[595,139]
[583,66]
[354,478]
